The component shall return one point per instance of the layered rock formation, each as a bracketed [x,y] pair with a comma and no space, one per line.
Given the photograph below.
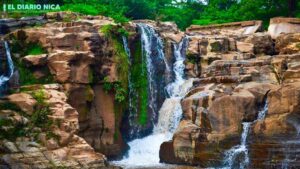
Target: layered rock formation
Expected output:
[78,56]
[85,55]
[237,74]
[38,130]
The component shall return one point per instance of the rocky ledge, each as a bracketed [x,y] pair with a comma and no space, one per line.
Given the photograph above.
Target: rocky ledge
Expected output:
[38,130]
[237,76]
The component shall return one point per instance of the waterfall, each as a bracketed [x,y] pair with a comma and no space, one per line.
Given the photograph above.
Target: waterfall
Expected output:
[153,51]
[6,76]
[262,113]
[238,156]
[132,107]
[145,151]
[158,73]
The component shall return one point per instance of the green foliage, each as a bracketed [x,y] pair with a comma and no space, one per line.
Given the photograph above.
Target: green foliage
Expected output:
[120,92]
[27,77]
[9,106]
[38,121]
[34,49]
[123,32]
[81,8]
[114,32]
[11,131]
[40,117]
[26,74]
[114,9]
[106,30]
[222,11]
[183,13]
[140,84]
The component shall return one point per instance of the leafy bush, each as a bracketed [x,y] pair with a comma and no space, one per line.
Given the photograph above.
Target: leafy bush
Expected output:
[40,118]
[35,49]
[81,8]
[120,92]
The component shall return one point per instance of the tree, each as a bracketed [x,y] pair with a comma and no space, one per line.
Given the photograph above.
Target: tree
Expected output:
[292,4]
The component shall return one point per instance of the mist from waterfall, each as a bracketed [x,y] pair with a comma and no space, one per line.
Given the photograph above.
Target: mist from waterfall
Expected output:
[145,151]
[4,78]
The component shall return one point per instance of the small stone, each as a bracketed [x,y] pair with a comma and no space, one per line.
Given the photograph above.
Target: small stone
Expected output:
[10,147]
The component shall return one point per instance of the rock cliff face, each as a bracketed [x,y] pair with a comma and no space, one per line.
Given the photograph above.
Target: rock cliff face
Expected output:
[86,57]
[42,113]
[237,75]
[78,56]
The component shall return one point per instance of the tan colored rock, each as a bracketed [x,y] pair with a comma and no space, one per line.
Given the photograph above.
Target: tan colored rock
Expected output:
[233,28]
[285,99]
[70,66]
[272,126]
[227,112]
[68,149]
[35,60]
[184,140]
[288,43]
[24,101]
[245,47]
[263,43]
[282,25]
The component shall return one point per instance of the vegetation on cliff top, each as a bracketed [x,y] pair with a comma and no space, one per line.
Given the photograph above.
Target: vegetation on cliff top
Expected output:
[183,12]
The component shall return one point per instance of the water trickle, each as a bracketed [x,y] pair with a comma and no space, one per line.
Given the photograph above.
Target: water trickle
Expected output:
[238,156]
[6,76]
[262,113]
[145,151]
[132,92]
[239,151]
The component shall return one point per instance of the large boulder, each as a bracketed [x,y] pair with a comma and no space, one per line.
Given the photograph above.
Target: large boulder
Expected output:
[282,25]
[212,118]
[24,101]
[275,137]
[288,43]
[233,28]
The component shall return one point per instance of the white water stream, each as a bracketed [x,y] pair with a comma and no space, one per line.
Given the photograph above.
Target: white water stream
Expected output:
[238,156]
[144,152]
[5,78]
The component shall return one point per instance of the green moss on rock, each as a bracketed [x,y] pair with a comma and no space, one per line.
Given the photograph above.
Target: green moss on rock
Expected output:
[140,83]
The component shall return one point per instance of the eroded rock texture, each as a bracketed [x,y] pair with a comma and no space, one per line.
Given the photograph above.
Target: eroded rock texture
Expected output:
[30,144]
[236,75]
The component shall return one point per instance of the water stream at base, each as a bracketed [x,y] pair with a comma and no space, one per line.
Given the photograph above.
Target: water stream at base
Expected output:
[144,152]
[6,76]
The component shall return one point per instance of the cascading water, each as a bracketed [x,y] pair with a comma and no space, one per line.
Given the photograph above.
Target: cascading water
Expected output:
[132,107]
[145,151]
[291,148]
[238,156]
[10,69]
[157,70]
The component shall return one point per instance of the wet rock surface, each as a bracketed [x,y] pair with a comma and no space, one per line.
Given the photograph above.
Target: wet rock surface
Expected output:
[235,76]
